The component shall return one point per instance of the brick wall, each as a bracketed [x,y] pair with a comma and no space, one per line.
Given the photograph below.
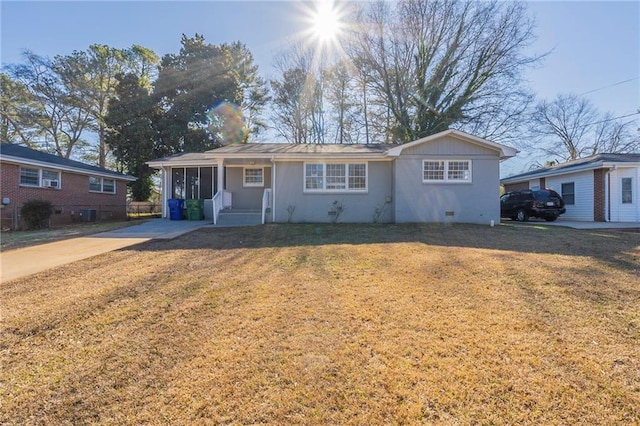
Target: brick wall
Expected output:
[599,195]
[68,201]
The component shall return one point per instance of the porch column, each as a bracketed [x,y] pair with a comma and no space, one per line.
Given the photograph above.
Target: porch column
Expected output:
[166,187]
[220,176]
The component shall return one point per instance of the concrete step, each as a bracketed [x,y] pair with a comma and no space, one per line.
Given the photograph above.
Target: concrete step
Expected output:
[236,217]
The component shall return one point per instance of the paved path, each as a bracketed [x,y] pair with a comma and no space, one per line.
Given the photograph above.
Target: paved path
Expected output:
[576,224]
[30,260]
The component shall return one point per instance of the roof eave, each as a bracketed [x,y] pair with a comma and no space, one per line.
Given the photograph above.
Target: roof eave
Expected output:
[506,152]
[28,162]
[159,164]
[555,172]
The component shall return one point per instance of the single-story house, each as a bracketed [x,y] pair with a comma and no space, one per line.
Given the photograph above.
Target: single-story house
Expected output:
[447,177]
[78,191]
[600,188]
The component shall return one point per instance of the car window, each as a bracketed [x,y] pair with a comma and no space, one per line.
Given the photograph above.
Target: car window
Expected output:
[541,195]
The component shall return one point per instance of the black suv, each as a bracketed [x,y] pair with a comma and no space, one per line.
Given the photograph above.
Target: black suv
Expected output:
[545,204]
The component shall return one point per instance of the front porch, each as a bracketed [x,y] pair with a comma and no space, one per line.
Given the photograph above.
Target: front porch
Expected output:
[232,192]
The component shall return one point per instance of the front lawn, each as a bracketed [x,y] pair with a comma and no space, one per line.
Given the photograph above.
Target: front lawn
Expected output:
[342,324]
[10,240]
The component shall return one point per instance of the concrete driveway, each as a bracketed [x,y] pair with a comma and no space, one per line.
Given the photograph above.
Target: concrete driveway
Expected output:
[30,260]
[576,224]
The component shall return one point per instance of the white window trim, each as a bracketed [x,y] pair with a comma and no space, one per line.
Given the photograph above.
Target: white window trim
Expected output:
[324,189]
[572,193]
[102,191]
[252,184]
[40,178]
[446,171]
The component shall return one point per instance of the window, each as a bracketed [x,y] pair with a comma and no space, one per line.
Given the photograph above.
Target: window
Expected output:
[569,193]
[29,176]
[95,184]
[206,182]
[358,176]
[314,177]
[458,170]
[335,177]
[102,185]
[177,183]
[627,191]
[193,182]
[51,177]
[254,177]
[108,185]
[446,171]
[39,177]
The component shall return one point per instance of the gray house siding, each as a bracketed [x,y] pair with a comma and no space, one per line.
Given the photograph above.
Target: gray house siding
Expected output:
[314,207]
[245,197]
[449,147]
[396,190]
[475,202]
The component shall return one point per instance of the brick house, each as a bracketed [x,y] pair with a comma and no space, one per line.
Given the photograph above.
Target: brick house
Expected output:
[600,188]
[79,192]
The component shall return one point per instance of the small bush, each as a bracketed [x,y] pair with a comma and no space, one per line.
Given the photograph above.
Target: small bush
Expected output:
[36,213]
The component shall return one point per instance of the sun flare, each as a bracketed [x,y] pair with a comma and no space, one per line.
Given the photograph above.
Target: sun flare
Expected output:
[326,22]
[327,28]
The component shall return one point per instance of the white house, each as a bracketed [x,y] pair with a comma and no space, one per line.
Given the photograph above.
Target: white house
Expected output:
[601,188]
[447,177]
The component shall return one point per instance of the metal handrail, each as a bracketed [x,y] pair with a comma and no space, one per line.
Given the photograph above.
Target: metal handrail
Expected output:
[217,205]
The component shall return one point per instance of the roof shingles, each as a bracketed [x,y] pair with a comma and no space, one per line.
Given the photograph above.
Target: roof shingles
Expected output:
[28,154]
[598,158]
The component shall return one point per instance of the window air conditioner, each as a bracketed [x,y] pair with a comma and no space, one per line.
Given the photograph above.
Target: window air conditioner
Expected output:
[48,183]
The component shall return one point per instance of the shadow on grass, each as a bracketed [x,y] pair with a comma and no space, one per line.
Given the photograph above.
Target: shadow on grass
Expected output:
[617,248]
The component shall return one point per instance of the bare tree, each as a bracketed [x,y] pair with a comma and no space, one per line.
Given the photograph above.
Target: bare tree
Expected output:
[58,102]
[438,64]
[614,136]
[16,108]
[253,87]
[91,77]
[297,97]
[54,112]
[340,95]
[570,127]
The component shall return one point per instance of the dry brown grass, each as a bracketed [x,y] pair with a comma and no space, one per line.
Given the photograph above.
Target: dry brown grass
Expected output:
[308,324]
[10,240]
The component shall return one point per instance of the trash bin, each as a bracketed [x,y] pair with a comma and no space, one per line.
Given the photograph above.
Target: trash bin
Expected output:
[195,209]
[175,208]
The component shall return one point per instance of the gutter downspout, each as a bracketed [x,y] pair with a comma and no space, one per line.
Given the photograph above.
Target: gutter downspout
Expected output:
[607,198]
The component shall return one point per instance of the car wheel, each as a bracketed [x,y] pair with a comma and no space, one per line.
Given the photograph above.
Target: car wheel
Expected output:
[550,218]
[521,216]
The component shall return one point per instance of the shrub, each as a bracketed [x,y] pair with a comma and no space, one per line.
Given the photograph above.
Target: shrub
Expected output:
[36,213]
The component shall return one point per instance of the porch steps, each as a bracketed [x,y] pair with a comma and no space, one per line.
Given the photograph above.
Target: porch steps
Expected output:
[239,217]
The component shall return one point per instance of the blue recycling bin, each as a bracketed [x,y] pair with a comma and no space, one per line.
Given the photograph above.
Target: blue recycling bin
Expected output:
[175,208]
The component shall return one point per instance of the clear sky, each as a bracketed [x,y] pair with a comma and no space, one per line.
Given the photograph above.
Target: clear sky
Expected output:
[595,46]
